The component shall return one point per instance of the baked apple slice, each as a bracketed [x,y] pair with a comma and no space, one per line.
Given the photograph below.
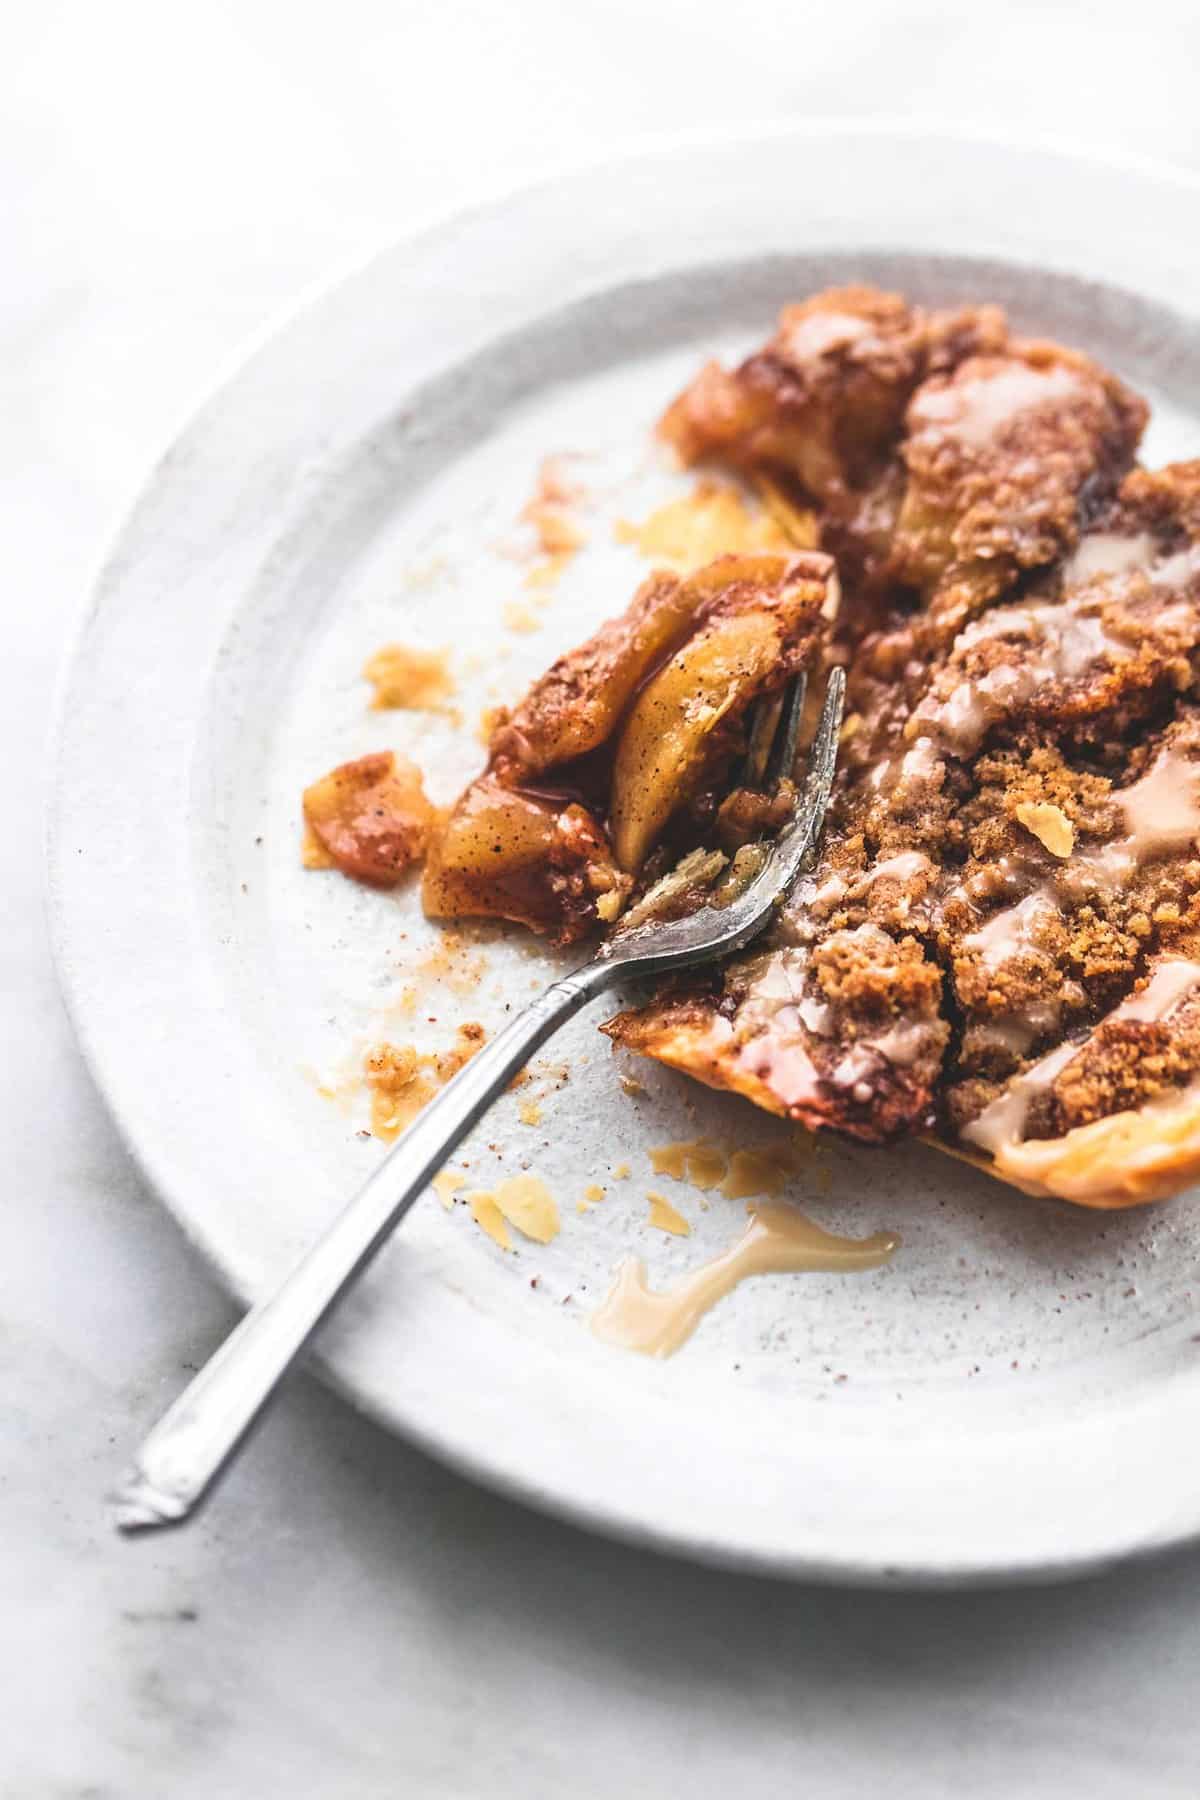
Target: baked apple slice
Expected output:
[616,741]
[369,818]
[760,626]
[539,859]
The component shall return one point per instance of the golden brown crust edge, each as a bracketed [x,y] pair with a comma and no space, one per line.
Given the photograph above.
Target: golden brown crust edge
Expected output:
[688,1034]
[697,1046]
[1127,1159]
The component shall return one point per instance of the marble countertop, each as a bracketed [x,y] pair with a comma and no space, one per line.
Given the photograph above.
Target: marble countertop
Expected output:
[351,1619]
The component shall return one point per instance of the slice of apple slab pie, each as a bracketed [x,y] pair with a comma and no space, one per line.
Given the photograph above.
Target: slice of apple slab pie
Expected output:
[999,943]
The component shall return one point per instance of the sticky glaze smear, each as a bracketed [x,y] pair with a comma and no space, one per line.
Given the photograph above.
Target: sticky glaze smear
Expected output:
[777,1241]
[696,1161]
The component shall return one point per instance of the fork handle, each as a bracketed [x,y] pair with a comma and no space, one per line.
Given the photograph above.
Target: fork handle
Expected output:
[200,1433]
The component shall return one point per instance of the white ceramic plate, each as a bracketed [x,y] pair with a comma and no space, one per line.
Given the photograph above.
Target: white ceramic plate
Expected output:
[1017,1393]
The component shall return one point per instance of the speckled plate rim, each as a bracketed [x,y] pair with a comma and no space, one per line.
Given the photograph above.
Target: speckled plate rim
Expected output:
[699,198]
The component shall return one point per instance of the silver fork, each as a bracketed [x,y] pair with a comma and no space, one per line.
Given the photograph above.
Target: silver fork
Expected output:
[199,1434]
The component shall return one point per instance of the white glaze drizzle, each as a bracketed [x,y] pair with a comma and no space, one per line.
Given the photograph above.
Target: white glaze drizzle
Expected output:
[902,1043]
[1170,983]
[820,332]
[903,866]
[1109,553]
[783,1065]
[1162,810]
[1175,571]
[777,1240]
[900,867]
[1003,1121]
[1064,641]
[974,412]
[1006,934]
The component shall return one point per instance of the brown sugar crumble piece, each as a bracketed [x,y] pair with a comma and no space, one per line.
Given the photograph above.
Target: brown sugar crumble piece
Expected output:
[551,514]
[399,1087]
[401,1079]
[550,508]
[418,680]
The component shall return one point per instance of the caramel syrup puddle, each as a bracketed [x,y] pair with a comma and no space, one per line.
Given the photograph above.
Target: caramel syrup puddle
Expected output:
[777,1241]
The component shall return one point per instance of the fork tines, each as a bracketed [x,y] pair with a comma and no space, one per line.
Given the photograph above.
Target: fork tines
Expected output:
[774,729]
